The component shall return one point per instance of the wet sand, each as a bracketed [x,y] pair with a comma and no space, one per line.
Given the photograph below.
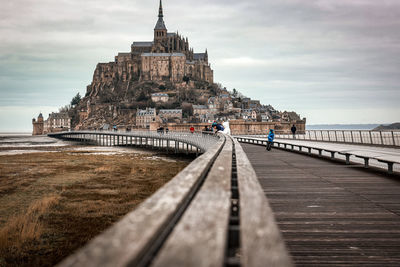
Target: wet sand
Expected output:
[55,200]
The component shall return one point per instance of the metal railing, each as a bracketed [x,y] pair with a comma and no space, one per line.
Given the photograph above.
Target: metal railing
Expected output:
[381,138]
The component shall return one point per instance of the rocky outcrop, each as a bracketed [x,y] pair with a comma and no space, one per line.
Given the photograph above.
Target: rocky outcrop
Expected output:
[393,126]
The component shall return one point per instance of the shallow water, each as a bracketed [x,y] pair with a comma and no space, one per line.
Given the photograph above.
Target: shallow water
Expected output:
[17,144]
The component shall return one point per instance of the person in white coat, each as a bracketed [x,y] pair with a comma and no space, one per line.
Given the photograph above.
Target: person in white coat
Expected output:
[227,130]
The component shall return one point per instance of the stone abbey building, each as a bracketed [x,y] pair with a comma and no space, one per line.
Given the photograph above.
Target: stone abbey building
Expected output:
[167,58]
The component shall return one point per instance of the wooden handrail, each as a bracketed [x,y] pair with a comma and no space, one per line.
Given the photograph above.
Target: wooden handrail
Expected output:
[213,213]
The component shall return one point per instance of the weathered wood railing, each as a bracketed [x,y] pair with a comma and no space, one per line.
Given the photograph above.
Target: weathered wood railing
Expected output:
[213,213]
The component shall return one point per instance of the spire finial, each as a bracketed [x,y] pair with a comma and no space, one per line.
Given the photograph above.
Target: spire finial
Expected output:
[160,11]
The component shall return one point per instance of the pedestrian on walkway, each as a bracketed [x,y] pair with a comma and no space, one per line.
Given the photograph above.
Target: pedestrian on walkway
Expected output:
[293,129]
[270,142]
[192,129]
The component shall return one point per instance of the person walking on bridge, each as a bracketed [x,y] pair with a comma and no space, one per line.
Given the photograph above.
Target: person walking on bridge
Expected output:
[293,129]
[271,137]
[192,130]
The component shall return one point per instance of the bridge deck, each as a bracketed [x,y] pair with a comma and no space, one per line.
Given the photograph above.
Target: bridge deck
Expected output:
[330,214]
[378,152]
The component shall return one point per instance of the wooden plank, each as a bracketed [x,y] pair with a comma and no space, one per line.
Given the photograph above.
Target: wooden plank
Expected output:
[381,154]
[199,239]
[331,214]
[262,243]
[126,241]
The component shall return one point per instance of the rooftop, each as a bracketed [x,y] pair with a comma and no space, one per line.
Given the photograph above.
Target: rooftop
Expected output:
[199,56]
[142,44]
[200,107]
[163,55]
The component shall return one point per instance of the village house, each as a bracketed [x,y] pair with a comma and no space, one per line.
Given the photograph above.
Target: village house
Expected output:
[159,97]
[57,122]
[170,115]
[200,110]
[228,106]
[145,116]
[265,117]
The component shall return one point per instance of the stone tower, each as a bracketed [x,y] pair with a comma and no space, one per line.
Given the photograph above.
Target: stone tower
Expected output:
[38,126]
[160,33]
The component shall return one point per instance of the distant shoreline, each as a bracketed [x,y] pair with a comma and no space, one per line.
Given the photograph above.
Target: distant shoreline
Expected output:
[343,126]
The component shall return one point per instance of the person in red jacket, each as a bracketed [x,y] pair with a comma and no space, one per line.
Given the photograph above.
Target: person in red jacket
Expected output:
[192,129]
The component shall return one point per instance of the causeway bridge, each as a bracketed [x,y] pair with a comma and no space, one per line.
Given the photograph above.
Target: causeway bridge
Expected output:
[236,204]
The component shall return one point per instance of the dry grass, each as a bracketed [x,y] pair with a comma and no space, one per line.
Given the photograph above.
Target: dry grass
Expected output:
[26,227]
[53,203]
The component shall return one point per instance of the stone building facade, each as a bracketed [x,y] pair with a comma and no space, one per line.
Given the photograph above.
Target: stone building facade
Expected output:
[145,116]
[168,115]
[38,125]
[56,122]
[159,97]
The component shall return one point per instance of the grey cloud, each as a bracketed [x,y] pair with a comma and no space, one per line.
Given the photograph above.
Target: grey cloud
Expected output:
[294,54]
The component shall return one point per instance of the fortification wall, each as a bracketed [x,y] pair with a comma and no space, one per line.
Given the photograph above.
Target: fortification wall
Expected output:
[238,127]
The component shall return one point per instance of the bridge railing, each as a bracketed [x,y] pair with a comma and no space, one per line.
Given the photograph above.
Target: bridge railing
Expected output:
[176,141]
[381,138]
[212,213]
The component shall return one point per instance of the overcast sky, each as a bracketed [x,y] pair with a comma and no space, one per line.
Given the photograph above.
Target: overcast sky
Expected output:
[332,61]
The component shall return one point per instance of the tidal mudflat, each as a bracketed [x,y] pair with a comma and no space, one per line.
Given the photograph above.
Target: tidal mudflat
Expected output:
[59,196]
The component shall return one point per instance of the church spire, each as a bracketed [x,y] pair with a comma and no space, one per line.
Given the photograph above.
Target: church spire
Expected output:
[160,11]
[160,23]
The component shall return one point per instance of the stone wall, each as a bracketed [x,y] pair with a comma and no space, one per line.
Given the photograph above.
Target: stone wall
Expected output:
[38,128]
[238,127]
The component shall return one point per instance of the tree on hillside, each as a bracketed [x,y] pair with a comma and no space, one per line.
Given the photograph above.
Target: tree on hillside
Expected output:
[142,97]
[75,101]
[186,79]
[235,93]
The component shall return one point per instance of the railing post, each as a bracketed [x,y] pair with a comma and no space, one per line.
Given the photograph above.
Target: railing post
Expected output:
[370,137]
[329,136]
[336,136]
[380,132]
[394,142]
[352,139]
[361,138]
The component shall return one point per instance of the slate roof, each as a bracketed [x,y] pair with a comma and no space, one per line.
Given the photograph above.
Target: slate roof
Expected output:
[200,107]
[159,94]
[142,44]
[149,111]
[169,111]
[163,55]
[199,56]
[160,24]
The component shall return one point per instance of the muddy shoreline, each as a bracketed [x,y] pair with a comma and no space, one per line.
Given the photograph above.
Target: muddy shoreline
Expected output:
[56,199]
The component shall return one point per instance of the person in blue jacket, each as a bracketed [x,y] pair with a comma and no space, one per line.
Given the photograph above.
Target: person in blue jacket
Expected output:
[218,127]
[271,137]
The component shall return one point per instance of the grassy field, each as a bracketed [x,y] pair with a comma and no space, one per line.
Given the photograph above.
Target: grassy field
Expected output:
[53,203]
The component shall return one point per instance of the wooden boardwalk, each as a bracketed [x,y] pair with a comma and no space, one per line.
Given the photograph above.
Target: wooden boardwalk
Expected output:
[331,214]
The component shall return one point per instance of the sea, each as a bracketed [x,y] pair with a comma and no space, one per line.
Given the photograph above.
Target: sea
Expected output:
[22,143]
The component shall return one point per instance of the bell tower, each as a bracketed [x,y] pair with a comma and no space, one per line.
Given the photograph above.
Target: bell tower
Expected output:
[160,31]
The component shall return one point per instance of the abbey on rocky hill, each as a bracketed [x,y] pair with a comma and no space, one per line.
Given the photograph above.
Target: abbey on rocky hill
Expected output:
[167,58]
